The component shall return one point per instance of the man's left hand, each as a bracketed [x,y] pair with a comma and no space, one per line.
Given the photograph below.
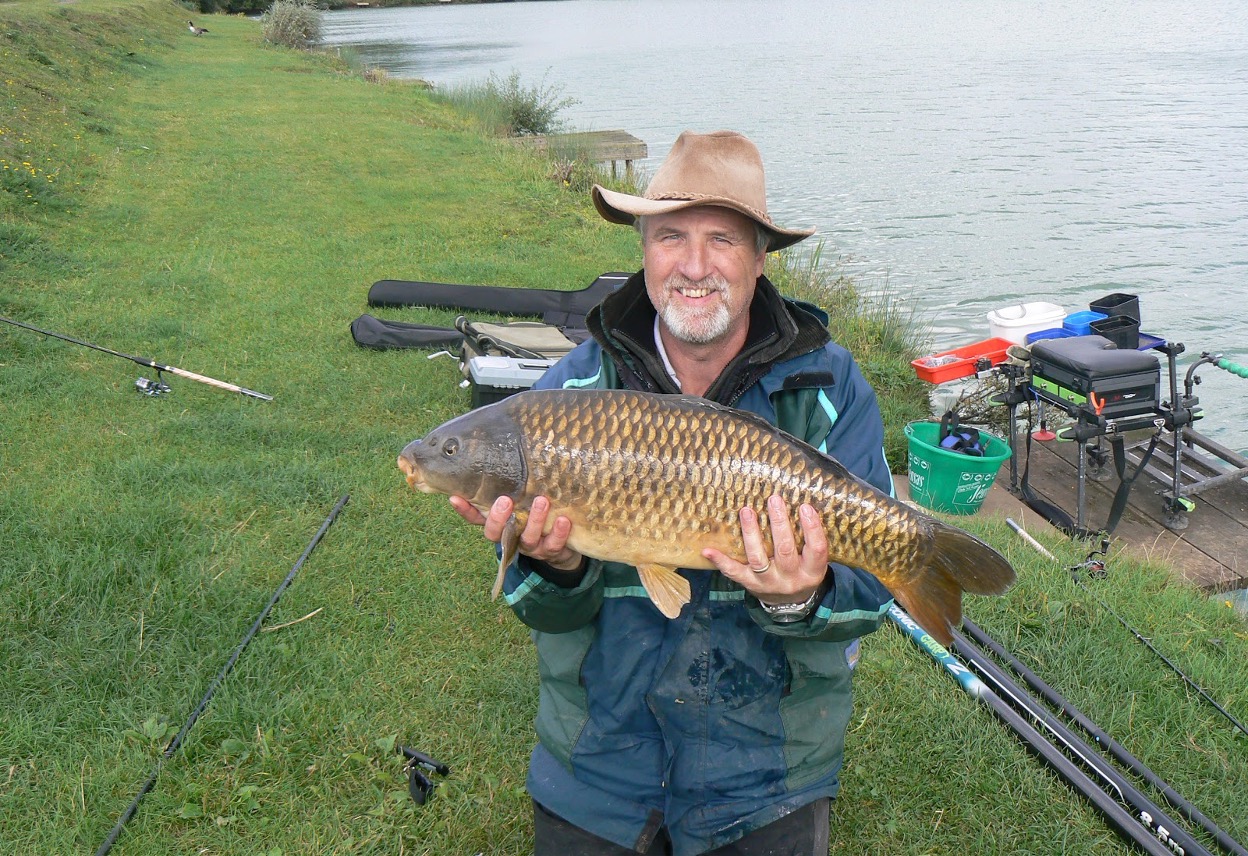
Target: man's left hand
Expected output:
[787,576]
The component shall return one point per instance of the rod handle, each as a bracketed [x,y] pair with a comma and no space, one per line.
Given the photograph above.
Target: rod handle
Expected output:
[212,381]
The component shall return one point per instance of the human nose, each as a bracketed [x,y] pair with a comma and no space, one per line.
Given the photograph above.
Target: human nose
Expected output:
[695,262]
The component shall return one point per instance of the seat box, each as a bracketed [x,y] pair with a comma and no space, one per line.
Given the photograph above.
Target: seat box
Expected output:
[494,378]
[1089,372]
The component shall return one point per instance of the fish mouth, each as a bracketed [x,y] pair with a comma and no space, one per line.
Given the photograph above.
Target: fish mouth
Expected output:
[415,477]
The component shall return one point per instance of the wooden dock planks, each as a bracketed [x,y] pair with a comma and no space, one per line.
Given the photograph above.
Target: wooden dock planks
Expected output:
[598,146]
[1212,552]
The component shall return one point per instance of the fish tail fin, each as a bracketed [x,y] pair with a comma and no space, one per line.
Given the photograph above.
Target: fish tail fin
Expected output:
[667,589]
[959,562]
[935,601]
[978,568]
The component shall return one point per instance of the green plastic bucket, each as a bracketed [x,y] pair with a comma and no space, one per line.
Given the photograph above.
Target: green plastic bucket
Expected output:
[948,481]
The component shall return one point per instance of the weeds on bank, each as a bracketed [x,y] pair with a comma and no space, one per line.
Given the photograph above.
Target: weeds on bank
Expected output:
[292,24]
[505,107]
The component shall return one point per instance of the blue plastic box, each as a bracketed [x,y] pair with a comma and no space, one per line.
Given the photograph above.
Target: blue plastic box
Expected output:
[1080,323]
[1051,333]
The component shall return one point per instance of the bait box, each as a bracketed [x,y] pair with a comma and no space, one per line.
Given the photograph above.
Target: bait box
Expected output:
[1080,323]
[1054,333]
[494,378]
[961,362]
[1072,372]
[1117,304]
[1015,322]
[1122,330]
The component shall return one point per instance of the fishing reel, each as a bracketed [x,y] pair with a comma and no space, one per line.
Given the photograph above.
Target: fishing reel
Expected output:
[151,387]
[1094,564]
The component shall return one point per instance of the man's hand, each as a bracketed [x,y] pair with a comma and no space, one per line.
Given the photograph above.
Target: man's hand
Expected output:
[788,576]
[551,547]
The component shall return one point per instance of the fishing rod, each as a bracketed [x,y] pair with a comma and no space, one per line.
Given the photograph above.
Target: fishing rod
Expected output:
[1107,743]
[1122,821]
[1146,811]
[216,682]
[145,385]
[1096,566]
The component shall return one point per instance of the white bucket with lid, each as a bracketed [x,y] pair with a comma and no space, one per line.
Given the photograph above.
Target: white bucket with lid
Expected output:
[1013,323]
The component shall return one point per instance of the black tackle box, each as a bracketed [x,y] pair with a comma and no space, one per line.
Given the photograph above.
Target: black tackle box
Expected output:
[1089,372]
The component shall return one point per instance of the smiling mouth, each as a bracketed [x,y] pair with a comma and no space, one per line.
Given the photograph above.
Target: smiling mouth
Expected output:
[696,293]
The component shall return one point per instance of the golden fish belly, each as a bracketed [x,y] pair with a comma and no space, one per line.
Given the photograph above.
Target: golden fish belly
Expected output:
[644,481]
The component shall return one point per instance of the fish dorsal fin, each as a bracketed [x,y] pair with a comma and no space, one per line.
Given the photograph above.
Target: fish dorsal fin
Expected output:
[667,589]
[510,543]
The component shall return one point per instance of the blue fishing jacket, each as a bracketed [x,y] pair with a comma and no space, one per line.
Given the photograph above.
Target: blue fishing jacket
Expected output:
[720,721]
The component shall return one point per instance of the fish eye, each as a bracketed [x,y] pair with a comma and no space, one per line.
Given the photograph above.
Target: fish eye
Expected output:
[450,447]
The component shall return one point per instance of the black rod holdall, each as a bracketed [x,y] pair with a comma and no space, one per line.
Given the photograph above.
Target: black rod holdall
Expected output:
[382,335]
[557,307]
[561,311]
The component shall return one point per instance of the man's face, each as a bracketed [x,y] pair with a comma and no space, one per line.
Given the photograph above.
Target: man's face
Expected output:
[701,268]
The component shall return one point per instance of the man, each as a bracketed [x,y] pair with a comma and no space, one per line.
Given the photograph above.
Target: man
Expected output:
[720,731]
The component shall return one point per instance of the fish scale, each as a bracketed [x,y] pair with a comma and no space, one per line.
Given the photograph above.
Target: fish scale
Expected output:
[653,480]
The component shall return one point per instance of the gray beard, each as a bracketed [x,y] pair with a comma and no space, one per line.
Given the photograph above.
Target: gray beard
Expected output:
[695,327]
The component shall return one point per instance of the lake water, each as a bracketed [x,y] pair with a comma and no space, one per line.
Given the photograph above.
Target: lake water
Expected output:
[962,156]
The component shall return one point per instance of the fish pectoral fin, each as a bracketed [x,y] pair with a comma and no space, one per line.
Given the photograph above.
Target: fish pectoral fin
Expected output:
[667,589]
[510,543]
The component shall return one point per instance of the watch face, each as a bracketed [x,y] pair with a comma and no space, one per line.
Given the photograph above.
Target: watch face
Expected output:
[784,612]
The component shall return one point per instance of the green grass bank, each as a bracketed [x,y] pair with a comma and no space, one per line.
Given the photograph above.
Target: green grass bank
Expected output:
[223,206]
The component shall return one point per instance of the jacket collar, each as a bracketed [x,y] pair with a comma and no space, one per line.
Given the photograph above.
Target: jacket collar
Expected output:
[780,329]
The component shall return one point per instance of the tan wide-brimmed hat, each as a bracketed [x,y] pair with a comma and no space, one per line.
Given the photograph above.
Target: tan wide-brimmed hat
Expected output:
[720,168]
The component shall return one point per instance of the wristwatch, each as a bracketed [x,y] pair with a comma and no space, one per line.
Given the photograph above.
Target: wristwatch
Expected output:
[789,613]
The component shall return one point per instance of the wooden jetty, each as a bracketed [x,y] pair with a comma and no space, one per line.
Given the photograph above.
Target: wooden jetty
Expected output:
[598,146]
[1211,552]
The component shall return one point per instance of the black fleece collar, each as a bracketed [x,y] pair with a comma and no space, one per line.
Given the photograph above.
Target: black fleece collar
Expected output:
[623,323]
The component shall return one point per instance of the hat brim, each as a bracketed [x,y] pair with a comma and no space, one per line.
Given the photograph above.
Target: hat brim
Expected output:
[624,208]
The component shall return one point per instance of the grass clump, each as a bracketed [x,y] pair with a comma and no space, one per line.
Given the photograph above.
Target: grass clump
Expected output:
[292,24]
[505,107]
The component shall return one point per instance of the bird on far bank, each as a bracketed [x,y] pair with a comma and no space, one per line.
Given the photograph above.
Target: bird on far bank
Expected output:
[196,31]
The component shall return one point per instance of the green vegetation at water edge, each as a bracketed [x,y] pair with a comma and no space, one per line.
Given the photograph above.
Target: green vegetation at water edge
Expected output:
[223,206]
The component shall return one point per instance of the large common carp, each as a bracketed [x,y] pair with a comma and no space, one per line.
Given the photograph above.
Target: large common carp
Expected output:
[652,480]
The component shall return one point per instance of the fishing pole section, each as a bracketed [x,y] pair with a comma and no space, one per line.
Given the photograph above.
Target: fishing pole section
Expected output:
[1094,566]
[1115,813]
[177,739]
[147,386]
[1048,732]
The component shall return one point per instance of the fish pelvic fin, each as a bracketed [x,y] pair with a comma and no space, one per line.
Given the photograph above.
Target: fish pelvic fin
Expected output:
[510,542]
[958,562]
[667,589]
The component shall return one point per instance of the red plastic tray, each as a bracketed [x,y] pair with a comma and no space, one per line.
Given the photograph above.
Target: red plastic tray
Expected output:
[964,360]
